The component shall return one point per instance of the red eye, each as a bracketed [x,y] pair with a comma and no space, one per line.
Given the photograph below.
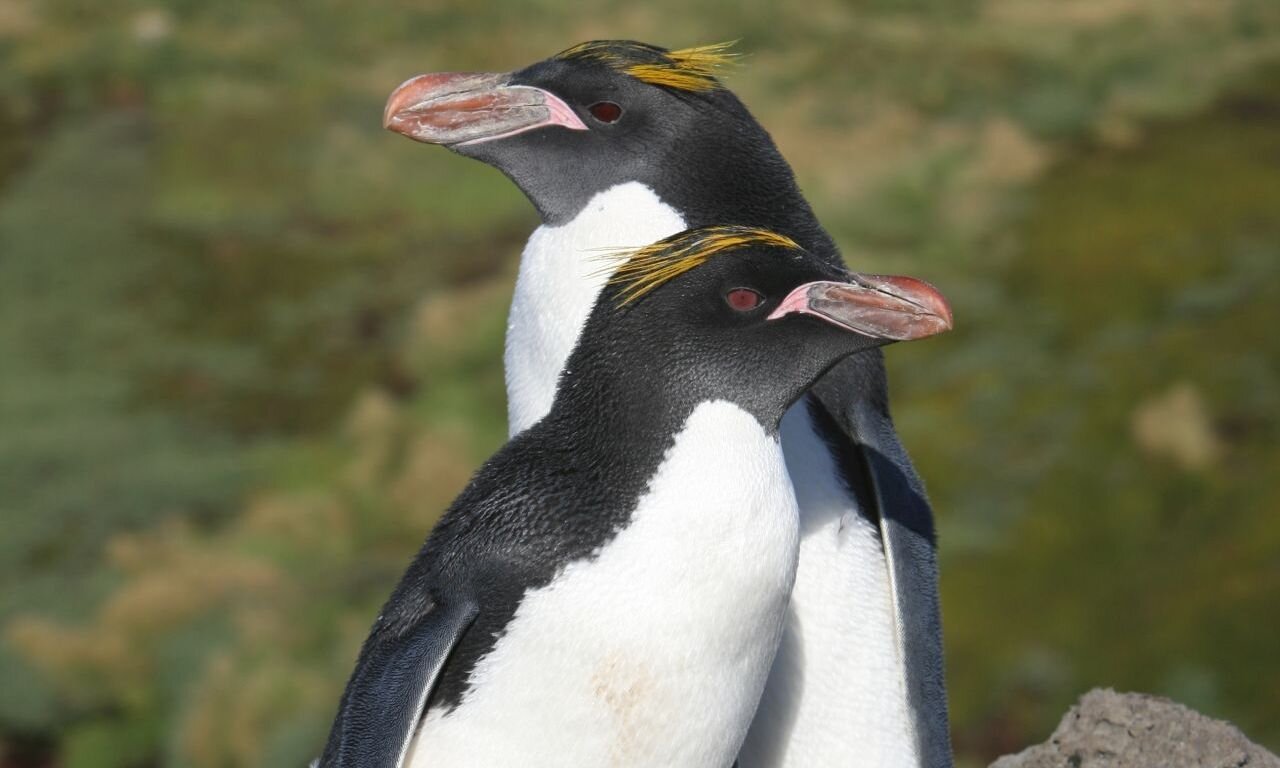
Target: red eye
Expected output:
[605,111]
[743,299]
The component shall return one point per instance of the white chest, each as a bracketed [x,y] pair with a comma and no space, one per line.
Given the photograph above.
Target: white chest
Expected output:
[561,273]
[836,694]
[656,650]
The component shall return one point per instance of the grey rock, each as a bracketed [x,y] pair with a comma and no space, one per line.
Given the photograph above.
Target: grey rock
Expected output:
[1132,730]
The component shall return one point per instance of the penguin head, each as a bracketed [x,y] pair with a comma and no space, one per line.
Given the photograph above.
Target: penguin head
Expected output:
[589,118]
[745,315]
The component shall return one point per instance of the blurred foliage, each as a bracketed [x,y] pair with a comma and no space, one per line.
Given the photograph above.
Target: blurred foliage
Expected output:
[250,343]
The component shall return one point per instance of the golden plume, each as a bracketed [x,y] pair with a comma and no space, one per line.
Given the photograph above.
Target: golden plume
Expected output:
[687,69]
[649,267]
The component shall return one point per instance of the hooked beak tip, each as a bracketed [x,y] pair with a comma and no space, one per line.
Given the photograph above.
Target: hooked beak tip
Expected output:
[397,101]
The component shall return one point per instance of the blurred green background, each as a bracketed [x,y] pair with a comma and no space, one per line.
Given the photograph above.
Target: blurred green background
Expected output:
[250,342]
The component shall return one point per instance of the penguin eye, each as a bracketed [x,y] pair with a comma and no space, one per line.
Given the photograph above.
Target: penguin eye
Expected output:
[743,299]
[605,111]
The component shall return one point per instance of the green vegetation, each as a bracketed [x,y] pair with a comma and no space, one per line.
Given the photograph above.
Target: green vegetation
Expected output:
[251,342]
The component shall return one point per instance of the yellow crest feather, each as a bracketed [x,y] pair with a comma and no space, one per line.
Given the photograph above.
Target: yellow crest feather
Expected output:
[649,267]
[687,69]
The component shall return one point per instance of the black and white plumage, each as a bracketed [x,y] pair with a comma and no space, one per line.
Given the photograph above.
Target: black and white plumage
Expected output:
[611,587]
[619,144]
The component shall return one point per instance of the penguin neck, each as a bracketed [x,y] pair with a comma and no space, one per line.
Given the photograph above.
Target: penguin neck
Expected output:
[602,393]
[744,181]
[562,272]
[634,382]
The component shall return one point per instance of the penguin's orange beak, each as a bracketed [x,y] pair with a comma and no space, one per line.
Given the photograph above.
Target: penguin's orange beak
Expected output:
[457,108]
[880,306]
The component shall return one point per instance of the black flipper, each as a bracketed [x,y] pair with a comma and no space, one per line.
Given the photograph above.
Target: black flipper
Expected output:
[910,546]
[388,691]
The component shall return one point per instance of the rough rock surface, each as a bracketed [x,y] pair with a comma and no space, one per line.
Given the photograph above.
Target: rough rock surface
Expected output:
[1132,730]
